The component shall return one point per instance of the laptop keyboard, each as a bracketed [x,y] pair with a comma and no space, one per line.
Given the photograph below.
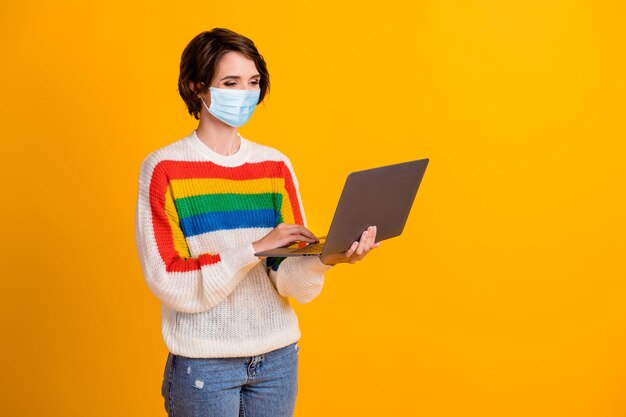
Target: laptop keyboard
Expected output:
[312,248]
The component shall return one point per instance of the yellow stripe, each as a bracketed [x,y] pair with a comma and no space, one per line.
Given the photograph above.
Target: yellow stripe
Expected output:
[197,186]
[172,216]
[286,211]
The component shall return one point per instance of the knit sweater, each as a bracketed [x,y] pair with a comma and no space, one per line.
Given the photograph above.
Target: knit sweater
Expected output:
[197,214]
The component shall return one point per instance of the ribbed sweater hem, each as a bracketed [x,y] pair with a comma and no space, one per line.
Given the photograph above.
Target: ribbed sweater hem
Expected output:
[205,348]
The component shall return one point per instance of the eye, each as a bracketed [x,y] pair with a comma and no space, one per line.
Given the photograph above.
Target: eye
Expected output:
[230,85]
[255,82]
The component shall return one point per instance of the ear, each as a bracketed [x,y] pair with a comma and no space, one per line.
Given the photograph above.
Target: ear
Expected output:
[192,86]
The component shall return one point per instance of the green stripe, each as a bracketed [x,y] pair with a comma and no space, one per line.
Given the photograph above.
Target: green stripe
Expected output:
[207,203]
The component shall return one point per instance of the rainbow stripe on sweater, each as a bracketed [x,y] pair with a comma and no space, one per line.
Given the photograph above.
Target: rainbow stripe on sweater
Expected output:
[191,198]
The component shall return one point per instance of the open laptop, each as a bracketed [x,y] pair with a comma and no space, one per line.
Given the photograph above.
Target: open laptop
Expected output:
[380,197]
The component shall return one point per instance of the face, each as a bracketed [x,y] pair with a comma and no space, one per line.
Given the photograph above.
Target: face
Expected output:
[234,71]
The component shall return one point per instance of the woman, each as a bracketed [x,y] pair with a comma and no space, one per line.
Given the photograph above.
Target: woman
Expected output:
[207,203]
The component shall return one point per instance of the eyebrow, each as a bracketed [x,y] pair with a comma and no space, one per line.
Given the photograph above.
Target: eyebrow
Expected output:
[238,77]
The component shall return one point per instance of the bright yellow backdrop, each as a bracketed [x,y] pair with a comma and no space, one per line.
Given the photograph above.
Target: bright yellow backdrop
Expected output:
[505,295]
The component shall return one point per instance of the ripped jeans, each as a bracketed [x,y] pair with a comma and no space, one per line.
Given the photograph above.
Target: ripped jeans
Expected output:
[254,386]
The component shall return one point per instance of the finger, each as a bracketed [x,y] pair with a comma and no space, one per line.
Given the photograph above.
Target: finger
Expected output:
[362,243]
[298,232]
[373,236]
[302,238]
[351,250]
[370,238]
[297,228]
[306,232]
[358,256]
[366,244]
[290,239]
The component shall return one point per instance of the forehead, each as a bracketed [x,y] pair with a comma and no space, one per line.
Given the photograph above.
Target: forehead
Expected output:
[236,63]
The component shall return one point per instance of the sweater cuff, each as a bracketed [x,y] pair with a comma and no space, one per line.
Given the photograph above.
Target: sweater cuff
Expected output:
[240,257]
[315,264]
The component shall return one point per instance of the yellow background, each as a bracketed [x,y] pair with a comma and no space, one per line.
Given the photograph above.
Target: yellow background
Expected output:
[505,294]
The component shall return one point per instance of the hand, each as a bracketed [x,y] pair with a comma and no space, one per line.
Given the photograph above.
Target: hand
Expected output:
[357,251]
[283,235]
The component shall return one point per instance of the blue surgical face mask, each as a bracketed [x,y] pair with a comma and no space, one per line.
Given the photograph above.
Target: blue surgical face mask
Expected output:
[232,106]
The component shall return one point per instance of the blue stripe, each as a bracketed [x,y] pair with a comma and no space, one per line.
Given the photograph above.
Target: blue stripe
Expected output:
[274,262]
[225,220]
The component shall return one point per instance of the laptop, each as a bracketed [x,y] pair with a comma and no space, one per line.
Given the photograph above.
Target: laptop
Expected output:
[380,197]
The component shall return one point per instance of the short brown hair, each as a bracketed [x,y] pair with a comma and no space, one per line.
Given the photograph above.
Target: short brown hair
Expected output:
[201,57]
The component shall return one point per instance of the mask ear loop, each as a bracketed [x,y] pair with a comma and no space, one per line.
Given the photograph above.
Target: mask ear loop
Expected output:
[201,99]
[198,95]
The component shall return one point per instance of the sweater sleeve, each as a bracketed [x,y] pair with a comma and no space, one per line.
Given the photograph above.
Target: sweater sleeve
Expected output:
[301,277]
[181,282]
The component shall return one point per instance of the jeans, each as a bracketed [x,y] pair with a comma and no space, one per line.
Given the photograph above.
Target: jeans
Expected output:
[254,386]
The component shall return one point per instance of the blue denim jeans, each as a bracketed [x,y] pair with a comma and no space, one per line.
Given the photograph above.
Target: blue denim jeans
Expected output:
[254,386]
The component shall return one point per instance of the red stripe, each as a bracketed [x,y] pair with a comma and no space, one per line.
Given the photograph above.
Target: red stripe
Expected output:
[207,259]
[293,197]
[167,170]
[205,169]
[163,231]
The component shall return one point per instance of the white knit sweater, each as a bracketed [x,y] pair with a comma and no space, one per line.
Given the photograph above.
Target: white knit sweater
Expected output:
[198,213]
